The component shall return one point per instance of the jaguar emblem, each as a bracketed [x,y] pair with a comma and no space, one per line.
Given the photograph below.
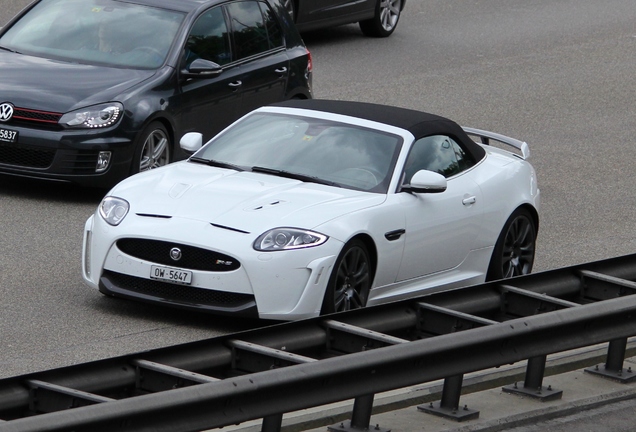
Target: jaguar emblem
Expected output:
[175,254]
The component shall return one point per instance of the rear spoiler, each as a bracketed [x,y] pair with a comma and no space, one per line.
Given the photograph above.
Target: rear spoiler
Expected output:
[486,136]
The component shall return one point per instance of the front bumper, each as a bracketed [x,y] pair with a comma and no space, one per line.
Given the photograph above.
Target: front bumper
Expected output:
[67,156]
[284,285]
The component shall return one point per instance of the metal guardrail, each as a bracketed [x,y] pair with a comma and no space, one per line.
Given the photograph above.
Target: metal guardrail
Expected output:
[266,372]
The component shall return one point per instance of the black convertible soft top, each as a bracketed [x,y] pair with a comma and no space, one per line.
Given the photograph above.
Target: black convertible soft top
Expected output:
[419,123]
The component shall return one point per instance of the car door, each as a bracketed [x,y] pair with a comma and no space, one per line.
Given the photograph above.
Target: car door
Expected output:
[259,48]
[210,102]
[441,228]
[317,10]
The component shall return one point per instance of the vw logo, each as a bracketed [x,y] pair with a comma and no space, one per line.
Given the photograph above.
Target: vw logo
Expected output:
[175,254]
[6,111]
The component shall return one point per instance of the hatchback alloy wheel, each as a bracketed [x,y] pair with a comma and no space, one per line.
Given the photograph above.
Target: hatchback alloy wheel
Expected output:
[155,152]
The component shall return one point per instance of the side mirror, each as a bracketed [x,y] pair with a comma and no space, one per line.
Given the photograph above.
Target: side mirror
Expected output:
[201,68]
[425,181]
[191,142]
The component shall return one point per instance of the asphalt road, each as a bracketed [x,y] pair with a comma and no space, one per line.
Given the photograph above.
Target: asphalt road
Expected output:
[557,74]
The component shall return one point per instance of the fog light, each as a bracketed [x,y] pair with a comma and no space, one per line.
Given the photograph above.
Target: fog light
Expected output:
[103,159]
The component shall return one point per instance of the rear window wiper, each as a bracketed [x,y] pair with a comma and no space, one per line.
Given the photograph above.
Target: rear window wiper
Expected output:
[215,163]
[295,176]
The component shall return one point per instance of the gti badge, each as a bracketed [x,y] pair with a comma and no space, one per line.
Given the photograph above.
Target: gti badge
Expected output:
[175,254]
[6,111]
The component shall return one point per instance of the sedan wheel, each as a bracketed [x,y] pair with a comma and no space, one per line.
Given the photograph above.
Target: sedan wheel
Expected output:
[154,148]
[514,251]
[387,14]
[350,281]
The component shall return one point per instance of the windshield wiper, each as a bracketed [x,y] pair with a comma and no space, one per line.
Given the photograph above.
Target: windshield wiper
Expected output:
[295,176]
[215,163]
[9,49]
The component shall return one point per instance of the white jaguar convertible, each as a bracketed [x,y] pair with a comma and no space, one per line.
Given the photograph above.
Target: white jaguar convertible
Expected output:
[310,207]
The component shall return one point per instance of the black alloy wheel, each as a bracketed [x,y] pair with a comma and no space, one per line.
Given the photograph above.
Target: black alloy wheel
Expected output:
[350,281]
[514,251]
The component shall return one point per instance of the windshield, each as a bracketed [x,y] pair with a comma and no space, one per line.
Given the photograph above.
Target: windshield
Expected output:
[330,152]
[102,32]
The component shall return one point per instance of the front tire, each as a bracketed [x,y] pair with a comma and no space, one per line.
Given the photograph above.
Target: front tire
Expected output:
[514,251]
[350,281]
[387,15]
[152,148]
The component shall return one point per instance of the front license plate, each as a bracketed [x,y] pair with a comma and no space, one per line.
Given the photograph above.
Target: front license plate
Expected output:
[173,275]
[7,135]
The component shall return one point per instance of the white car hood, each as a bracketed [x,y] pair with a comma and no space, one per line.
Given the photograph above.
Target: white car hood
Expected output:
[246,201]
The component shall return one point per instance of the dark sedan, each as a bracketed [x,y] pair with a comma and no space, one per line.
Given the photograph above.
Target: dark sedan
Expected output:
[377,18]
[92,91]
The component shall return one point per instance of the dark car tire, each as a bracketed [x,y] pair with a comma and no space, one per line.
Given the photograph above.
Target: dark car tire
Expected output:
[152,148]
[514,251]
[387,15]
[350,280]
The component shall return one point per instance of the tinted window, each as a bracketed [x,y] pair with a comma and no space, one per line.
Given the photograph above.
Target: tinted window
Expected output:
[248,28]
[437,153]
[274,32]
[209,39]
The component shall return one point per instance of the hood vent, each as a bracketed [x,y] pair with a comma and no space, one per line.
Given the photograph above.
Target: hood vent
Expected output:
[154,215]
[273,203]
[229,228]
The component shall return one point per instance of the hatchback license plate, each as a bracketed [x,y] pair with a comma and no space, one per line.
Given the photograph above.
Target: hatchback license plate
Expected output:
[7,135]
[173,275]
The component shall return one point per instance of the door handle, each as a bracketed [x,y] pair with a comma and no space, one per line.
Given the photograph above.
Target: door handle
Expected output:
[394,235]
[235,84]
[469,200]
[281,70]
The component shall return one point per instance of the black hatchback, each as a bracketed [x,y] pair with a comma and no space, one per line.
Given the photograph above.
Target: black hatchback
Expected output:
[92,91]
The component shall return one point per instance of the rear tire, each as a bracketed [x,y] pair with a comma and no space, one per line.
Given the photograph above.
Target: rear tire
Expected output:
[514,251]
[350,280]
[387,15]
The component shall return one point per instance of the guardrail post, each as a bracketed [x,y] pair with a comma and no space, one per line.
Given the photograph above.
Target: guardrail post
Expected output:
[613,367]
[533,384]
[360,418]
[272,423]
[449,405]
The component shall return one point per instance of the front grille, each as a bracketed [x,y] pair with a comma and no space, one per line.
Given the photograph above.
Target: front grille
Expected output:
[29,115]
[26,156]
[35,119]
[177,293]
[192,258]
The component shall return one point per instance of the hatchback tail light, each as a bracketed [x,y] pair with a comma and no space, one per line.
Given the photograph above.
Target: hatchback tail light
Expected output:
[310,63]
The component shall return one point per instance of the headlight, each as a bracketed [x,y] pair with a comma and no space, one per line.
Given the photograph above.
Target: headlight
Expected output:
[97,116]
[288,238]
[113,210]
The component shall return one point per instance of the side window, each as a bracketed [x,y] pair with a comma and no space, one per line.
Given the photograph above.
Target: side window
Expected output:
[250,28]
[438,153]
[274,32]
[209,38]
